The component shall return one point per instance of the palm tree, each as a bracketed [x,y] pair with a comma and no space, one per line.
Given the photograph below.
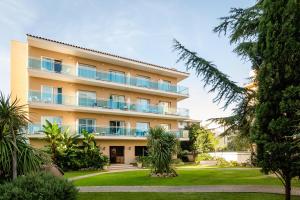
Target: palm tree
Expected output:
[162,146]
[17,156]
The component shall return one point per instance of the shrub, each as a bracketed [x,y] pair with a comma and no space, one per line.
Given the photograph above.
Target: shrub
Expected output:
[38,186]
[70,152]
[145,160]
[177,161]
[222,162]
[162,146]
[203,156]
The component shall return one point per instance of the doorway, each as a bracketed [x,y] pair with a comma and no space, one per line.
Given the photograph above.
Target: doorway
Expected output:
[116,154]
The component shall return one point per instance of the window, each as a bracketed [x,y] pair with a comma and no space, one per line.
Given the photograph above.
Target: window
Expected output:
[143,105]
[50,64]
[143,81]
[51,119]
[164,106]
[141,151]
[167,127]
[51,95]
[142,128]
[166,85]
[87,71]
[117,127]
[57,66]
[87,124]
[47,94]
[117,102]
[47,64]
[116,76]
[86,98]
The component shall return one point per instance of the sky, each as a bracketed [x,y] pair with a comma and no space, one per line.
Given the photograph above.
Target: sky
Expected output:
[139,29]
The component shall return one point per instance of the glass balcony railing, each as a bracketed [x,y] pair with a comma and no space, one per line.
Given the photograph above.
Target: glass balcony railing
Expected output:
[101,131]
[84,72]
[59,99]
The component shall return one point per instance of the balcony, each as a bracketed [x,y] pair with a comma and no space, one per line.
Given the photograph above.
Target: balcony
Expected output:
[105,105]
[102,131]
[107,78]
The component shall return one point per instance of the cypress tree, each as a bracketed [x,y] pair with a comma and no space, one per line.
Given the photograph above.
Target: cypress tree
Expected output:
[278,106]
[268,35]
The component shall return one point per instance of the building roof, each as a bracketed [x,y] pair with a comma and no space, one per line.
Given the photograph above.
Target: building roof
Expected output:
[107,54]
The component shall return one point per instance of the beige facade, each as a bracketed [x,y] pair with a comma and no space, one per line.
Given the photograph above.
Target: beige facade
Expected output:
[115,98]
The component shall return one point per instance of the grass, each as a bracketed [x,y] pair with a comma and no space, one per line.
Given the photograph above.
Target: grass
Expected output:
[179,196]
[71,174]
[205,176]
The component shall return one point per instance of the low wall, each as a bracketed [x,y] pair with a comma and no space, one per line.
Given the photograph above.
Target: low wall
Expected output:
[240,157]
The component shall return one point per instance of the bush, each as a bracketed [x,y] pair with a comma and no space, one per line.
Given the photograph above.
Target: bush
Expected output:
[38,186]
[203,156]
[177,161]
[161,146]
[70,152]
[222,162]
[145,160]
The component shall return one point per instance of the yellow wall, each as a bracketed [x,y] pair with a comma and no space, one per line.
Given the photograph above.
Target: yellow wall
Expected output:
[69,118]
[19,73]
[129,146]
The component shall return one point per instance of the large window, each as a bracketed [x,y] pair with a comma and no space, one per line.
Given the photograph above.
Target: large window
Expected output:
[47,64]
[166,85]
[143,81]
[51,119]
[87,71]
[86,98]
[47,94]
[116,76]
[142,128]
[141,151]
[143,105]
[164,106]
[51,95]
[117,127]
[50,64]
[87,124]
[117,102]
[167,127]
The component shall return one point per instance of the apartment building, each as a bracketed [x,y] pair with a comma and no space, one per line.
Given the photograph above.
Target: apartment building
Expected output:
[118,99]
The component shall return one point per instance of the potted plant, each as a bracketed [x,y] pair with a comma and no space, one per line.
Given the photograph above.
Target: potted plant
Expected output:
[139,162]
[105,163]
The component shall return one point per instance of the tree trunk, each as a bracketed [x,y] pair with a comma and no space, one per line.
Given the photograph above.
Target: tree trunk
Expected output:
[288,189]
[14,157]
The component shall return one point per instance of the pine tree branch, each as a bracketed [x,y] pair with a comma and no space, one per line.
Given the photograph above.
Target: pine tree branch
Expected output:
[219,82]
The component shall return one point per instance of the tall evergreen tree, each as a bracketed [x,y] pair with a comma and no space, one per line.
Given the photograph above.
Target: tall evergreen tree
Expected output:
[277,117]
[268,35]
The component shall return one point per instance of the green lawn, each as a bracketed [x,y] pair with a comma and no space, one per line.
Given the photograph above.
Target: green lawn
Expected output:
[206,176]
[179,196]
[71,174]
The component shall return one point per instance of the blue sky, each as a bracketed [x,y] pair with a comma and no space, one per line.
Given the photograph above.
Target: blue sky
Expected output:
[140,29]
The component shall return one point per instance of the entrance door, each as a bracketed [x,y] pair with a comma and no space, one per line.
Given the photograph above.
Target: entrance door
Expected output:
[116,154]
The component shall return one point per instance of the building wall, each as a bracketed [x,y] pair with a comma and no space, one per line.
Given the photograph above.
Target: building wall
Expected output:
[19,74]
[21,83]
[69,118]
[129,146]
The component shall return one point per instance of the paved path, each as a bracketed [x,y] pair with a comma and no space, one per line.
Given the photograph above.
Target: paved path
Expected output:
[202,188]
